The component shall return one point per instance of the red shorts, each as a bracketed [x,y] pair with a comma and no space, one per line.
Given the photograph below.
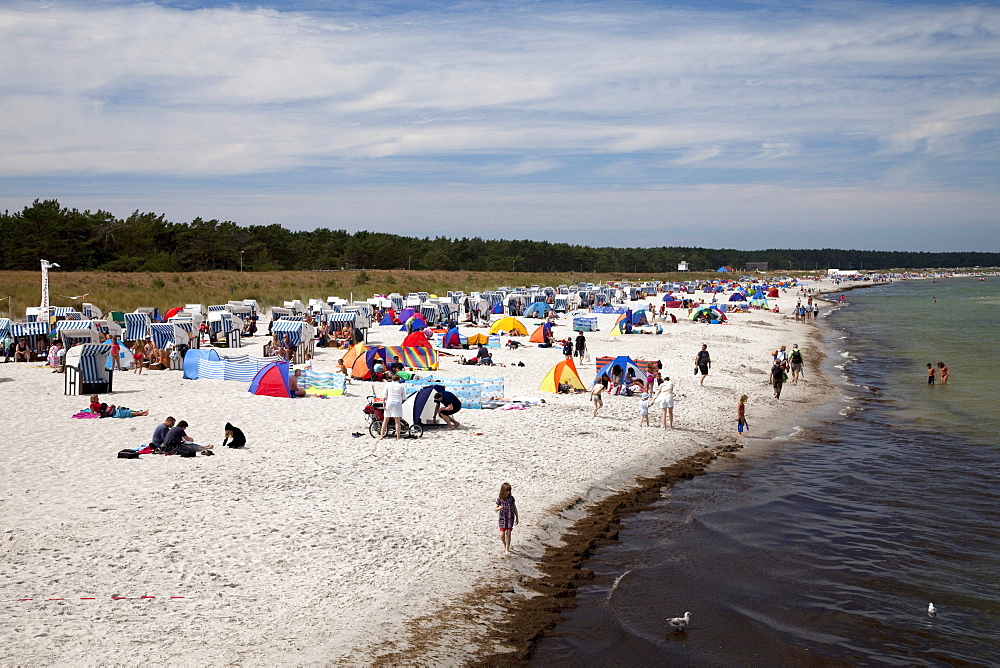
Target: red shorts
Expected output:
[502,529]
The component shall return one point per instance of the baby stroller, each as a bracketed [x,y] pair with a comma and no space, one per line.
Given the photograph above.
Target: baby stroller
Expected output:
[375,414]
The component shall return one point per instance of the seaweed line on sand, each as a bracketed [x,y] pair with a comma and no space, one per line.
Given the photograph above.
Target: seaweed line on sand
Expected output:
[505,625]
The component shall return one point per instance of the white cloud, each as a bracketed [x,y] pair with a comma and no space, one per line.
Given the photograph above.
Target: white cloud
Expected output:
[574,93]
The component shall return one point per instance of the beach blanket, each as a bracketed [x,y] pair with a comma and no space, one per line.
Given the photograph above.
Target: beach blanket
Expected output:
[86,414]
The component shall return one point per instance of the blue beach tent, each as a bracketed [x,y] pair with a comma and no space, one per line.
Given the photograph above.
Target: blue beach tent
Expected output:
[623,361]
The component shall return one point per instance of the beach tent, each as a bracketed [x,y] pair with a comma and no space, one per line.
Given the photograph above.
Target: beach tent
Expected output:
[362,367]
[562,373]
[538,336]
[478,340]
[536,310]
[708,314]
[737,297]
[511,325]
[191,358]
[418,408]
[619,327]
[639,317]
[406,314]
[623,361]
[773,292]
[497,309]
[417,340]
[271,381]
[413,323]
[86,369]
[357,350]
[452,339]
[389,318]
[172,312]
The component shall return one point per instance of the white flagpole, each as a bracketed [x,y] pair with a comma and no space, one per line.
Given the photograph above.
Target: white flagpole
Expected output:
[43,315]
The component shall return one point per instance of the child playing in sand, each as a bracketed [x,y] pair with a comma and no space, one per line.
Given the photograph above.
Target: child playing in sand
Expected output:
[741,415]
[506,510]
[644,410]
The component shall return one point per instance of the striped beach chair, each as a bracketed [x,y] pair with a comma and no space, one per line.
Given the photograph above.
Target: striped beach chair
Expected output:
[86,371]
[137,326]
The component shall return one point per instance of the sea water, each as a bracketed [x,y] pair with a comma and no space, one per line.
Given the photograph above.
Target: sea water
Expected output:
[825,546]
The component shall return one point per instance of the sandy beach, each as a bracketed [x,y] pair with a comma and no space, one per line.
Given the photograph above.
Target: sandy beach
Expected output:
[312,546]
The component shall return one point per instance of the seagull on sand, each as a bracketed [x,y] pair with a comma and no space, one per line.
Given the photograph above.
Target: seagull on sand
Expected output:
[931,610]
[678,623]
[74,298]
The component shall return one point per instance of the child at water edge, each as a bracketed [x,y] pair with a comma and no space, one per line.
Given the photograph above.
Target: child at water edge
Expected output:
[644,410]
[741,416]
[931,374]
[506,510]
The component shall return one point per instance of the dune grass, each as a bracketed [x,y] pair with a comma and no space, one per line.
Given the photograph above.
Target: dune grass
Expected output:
[127,291]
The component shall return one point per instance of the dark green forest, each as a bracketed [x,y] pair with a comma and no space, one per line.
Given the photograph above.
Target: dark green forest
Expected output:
[85,240]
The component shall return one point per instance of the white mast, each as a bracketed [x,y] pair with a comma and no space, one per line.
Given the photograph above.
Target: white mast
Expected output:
[43,315]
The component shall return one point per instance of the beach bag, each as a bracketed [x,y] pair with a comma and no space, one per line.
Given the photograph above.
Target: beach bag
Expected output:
[122,412]
[128,454]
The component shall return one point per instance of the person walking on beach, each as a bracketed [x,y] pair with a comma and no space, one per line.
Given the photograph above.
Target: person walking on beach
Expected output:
[777,378]
[943,373]
[581,346]
[600,385]
[931,374]
[702,362]
[741,416]
[506,510]
[795,363]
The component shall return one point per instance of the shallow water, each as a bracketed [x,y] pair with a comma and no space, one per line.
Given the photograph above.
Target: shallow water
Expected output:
[825,547]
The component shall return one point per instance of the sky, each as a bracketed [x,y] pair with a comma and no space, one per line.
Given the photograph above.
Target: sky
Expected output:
[747,125]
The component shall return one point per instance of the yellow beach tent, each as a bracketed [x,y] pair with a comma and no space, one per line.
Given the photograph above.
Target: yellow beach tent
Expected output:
[562,373]
[478,340]
[510,324]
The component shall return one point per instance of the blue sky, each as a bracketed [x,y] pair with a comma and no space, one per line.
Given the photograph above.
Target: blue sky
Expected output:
[750,125]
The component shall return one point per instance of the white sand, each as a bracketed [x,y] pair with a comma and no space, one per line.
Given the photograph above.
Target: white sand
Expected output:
[312,546]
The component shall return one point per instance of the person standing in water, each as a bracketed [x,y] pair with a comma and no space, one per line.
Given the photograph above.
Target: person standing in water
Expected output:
[943,373]
[506,510]
[931,374]
[741,416]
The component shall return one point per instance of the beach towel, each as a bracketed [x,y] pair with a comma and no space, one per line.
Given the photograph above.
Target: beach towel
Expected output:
[86,414]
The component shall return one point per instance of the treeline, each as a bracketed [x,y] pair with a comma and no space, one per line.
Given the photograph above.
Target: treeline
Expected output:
[85,240]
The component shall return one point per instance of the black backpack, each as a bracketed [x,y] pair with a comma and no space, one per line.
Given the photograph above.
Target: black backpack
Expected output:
[128,454]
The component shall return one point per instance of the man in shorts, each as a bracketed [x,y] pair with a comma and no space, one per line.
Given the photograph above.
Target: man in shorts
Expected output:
[702,362]
[795,363]
[447,405]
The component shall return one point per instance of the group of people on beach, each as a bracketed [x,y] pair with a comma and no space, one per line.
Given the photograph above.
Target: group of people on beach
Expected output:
[941,372]
[171,438]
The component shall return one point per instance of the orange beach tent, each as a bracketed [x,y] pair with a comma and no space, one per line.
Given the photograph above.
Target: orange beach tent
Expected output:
[562,373]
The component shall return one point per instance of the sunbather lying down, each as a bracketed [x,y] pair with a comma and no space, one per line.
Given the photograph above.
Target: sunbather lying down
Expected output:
[104,410]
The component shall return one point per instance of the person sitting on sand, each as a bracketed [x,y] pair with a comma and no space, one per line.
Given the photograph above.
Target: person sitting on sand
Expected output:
[22,353]
[447,404]
[160,433]
[234,437]
[293,384]
[177,442]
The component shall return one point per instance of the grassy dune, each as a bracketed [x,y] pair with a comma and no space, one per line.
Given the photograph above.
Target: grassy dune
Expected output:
[127,291]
